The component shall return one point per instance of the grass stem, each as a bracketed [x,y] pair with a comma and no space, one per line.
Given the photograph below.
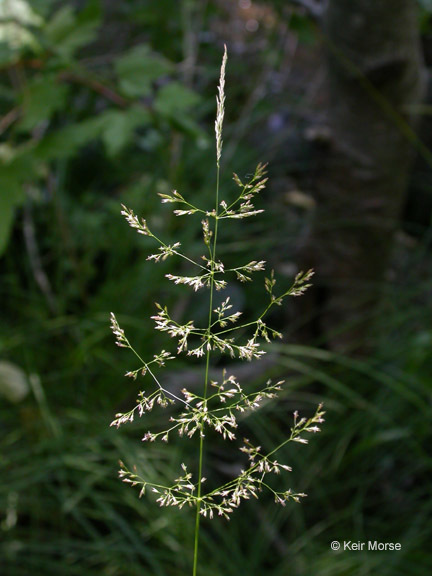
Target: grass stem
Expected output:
[206,377]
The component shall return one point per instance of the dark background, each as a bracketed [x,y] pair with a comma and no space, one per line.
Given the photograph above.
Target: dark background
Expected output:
[104,103]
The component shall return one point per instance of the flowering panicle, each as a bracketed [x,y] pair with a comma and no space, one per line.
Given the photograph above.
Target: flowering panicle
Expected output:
[218,405]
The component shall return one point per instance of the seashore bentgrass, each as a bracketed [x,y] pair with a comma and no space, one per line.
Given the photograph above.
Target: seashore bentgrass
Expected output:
[217,404]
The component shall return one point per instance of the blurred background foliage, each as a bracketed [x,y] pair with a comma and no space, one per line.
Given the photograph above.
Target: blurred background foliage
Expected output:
[104,103]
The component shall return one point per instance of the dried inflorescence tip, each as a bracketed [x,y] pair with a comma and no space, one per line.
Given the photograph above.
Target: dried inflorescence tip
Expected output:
[220,109]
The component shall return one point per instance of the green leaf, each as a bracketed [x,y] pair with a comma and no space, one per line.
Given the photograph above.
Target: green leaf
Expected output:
[43,97]
[138,69]
[43,7]
[66,33]
[174,102]
[120,127]
[174,98]
[61,24]
[64,143]
[115,127]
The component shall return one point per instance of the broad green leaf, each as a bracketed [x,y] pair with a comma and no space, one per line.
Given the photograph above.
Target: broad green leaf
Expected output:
[65,142]
[80,36]
[138,69]
[175,102]
[43,7]
[115,127]
[66,33]
[43,97]
[120,127]
[174,98]
[60,25]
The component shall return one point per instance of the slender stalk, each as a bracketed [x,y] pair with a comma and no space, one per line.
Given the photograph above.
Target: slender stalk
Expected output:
[200,467]
[206,378]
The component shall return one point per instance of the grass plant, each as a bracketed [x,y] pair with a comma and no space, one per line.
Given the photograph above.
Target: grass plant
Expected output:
[217,405]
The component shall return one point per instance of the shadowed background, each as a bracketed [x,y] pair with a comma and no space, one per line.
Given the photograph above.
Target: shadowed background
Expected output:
[104,103]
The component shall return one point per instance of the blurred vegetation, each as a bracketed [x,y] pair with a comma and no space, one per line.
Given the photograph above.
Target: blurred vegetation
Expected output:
[104,103]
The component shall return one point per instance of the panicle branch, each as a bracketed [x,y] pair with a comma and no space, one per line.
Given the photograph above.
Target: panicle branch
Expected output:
[251,481]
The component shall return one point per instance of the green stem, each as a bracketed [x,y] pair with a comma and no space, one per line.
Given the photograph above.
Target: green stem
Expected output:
[206,378]
[200,467]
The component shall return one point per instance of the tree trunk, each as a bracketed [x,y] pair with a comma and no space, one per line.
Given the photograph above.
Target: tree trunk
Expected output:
[374,71]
